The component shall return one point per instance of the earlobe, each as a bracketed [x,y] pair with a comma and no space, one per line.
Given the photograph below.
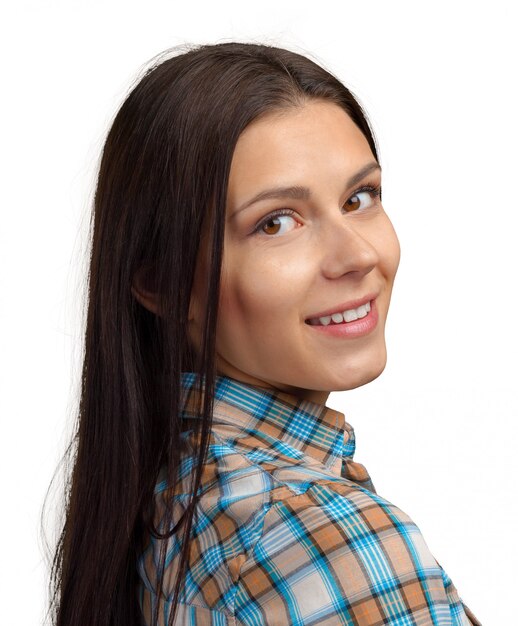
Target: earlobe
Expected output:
[141,291]
[146,301]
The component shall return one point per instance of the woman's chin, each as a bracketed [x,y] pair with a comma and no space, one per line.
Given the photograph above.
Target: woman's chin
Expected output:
[356,375]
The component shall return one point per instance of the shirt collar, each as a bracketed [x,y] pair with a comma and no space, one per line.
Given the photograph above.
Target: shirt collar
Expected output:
[311,428]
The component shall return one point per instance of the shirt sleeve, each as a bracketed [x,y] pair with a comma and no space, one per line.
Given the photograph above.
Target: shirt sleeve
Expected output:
[340,554]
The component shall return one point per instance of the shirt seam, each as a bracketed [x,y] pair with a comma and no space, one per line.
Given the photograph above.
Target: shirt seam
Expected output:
[266,507]
[312,480]
[248,554]
[265,510]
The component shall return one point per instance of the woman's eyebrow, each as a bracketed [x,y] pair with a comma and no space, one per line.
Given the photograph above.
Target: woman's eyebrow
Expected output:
[303,193]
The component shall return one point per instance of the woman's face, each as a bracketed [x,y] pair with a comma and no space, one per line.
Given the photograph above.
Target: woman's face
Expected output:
[332,246]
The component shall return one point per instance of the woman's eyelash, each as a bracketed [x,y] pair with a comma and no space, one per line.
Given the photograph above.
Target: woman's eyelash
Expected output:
[270,216]
[375,191]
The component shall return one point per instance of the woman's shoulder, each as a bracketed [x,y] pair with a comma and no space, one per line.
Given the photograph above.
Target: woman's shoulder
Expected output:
[243,481]
[266,512]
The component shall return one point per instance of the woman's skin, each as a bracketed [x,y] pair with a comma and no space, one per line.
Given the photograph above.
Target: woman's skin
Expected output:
[336,247]
[299,265]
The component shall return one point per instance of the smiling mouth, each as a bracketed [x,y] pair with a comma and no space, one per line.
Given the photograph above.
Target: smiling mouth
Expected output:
[344,317]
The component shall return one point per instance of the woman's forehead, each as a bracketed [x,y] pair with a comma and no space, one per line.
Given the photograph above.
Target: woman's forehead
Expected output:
[279,150]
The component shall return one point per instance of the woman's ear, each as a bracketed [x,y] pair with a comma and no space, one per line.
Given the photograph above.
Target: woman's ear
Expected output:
[144,289]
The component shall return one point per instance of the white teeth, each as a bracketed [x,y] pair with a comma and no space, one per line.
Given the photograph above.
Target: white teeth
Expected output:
[348,316]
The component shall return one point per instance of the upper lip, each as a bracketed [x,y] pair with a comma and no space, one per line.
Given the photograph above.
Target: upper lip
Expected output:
[340,308]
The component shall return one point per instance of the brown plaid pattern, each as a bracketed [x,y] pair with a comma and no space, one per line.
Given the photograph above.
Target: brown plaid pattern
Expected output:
[289,528]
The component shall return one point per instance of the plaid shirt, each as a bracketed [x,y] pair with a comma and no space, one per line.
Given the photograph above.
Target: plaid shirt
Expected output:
[289,529]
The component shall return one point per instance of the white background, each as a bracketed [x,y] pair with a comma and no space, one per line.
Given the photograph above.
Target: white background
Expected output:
[437,430]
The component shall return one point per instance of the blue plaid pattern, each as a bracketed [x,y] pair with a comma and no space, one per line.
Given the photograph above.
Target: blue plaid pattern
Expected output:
[289,529]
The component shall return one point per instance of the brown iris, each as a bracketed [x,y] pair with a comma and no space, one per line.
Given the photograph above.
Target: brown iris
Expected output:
[354,205]
[272,223]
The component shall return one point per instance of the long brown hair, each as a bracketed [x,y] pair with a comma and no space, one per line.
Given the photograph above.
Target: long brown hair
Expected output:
[163,174]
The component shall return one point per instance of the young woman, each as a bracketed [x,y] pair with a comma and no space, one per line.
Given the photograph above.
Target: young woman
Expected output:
[241,269]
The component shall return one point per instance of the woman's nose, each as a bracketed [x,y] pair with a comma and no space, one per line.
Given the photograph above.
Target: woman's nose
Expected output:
[347,249]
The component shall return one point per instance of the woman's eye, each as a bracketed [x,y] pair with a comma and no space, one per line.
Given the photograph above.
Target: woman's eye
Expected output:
[355,202]
[277,223]
[282,221]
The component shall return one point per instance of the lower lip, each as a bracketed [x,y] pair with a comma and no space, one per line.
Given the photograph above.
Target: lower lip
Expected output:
[358,328]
